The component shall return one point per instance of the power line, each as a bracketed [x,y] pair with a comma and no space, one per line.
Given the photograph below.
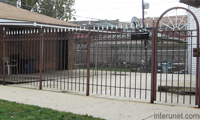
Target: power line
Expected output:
[123,7]
[107,2]
[30,7]
[88,17]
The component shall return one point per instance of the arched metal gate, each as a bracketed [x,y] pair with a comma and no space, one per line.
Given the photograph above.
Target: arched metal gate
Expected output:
[175,73]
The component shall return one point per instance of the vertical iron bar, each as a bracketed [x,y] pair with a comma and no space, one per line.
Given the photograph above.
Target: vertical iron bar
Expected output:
[130,59]
[25,56]
[31,57]
[17,57]
[4,50]
[136,68]
[167,64]
[115,62]
[57,50]
[97,62]
[161,63]
[198,67]
[50,60]
[88,65]
[72,59]
[75,59]
[9,54]
[107,63]
[173,58]
[126,44]
[102,52]
[111,62]
[41,31]
[65,47]
[34,55]
[61,57]
[179,35]
[28,58]
[22,56]
[47,60]
[185,38]
[94,63]
[12,56]
[68,75]
[79,66]
[155,62]
[191,69]
[121,62]
[146,61]
[141,67]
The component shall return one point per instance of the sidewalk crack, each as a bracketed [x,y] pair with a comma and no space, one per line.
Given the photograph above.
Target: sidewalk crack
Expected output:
[147,117]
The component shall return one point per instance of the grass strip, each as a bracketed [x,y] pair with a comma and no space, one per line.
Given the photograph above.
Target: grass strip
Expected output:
[16,111]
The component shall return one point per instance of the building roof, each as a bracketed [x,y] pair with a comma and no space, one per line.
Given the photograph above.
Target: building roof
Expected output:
[194,3]
[102,23]
[13,13]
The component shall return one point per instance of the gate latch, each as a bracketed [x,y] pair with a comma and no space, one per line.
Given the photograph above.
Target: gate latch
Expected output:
[195,52]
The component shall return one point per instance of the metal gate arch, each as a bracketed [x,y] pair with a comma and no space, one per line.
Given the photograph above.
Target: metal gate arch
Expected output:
[154,63]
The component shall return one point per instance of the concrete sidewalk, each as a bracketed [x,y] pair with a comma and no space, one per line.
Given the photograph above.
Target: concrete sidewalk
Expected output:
[97,107]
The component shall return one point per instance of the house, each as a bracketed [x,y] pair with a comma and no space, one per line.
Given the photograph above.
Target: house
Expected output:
[193,5]
[102,24]
[149,20]
[21,30]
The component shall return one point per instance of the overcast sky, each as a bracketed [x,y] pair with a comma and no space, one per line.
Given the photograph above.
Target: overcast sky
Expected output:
[123,10]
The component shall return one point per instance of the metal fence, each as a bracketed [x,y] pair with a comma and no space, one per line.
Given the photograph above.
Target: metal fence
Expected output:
[94,62]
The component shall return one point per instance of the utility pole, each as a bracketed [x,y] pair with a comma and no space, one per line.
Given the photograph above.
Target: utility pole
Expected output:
[144,6]
[143,25]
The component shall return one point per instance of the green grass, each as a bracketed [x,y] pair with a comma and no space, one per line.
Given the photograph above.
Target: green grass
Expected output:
[15,111]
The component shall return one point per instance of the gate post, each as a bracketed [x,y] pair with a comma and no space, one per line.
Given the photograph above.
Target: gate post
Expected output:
[4,52]
[198,71]
[153,66]
[197,67]
[88,65]
[40,85]
[199,84]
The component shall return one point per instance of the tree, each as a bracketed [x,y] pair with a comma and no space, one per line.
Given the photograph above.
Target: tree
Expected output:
[60,9]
